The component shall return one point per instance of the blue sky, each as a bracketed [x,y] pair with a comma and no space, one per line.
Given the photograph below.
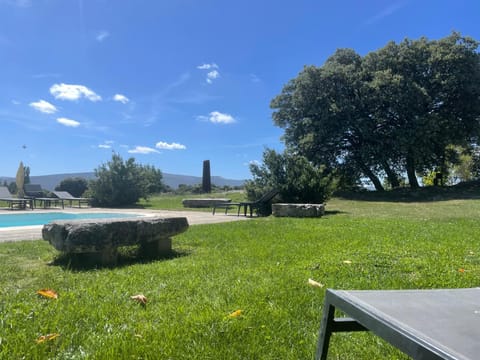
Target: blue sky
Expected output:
[173,83]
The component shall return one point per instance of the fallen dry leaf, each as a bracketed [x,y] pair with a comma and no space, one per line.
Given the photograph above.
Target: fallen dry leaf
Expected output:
[315,283]
[461,270]
[47,337]
[140,298]
[235,314]
[347,261]
[48,293]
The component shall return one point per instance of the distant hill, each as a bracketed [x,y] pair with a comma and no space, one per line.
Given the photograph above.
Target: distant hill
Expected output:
[49,182]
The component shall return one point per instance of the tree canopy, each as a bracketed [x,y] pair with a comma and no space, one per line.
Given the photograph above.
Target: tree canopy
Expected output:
[394,111]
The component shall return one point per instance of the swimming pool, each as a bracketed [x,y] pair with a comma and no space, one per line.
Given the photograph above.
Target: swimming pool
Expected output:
[32,219]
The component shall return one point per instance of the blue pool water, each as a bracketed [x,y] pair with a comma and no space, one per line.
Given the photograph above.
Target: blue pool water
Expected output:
[9,220]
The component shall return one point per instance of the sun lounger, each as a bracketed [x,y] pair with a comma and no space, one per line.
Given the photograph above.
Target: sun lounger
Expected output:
[66,196]
[12,202]
[424,324]
[252,205]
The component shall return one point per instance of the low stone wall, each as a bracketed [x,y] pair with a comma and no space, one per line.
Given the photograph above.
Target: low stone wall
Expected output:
[298,210]
[100,238]
[201,203]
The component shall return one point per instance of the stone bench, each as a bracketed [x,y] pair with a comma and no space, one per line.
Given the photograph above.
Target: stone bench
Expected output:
[298,210]
[206,202]
[101,238]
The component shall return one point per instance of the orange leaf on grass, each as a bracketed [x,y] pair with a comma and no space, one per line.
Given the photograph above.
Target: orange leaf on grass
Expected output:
[140,298]
[47,337]
[461,270]
[235,314]
[48,293]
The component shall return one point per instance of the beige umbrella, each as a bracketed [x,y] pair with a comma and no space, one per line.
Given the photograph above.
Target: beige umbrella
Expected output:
[20,180]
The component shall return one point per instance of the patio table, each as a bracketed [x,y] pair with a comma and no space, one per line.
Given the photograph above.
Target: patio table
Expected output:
[424,324]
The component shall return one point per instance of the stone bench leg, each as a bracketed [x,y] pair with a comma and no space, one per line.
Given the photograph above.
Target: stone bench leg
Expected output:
[156,248]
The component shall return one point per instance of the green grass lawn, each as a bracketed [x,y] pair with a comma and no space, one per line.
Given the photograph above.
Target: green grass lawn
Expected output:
[260,267]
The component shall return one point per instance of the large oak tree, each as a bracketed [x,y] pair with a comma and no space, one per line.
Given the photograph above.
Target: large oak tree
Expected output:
[393,111]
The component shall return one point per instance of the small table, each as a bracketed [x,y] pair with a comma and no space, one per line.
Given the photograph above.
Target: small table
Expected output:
[424,324]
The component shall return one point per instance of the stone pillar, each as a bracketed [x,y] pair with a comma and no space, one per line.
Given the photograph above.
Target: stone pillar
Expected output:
[206,179]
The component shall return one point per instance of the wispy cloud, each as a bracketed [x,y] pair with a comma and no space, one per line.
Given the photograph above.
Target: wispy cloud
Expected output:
[207,66]
[106,144]
[19,3]
[391,9]
[43,106]
[212,74]
[254,78]
[73,92]
[68,122]
[16,102]
[142,150]
[121,98]
[216,117]
[46,75]
[172,146]
[102,35]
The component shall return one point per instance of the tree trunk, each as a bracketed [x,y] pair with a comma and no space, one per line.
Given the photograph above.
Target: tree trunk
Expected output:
[392,177]
[369,173]
[412,177]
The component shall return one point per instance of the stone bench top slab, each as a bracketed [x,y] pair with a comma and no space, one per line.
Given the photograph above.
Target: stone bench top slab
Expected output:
[95,235]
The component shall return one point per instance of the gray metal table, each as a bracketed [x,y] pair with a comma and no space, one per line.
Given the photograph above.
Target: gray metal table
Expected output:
[424,324]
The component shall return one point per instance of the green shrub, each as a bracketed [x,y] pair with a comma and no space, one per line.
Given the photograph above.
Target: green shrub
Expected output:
[297,179]
[120,183]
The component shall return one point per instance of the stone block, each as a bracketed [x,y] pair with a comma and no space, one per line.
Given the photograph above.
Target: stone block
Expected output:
[298,210]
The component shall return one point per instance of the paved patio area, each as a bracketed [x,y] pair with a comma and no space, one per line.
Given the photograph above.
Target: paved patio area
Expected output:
[35,232]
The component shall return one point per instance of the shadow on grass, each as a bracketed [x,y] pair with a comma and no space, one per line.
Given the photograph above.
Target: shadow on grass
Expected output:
[126,257]
[334,212]
[463,191]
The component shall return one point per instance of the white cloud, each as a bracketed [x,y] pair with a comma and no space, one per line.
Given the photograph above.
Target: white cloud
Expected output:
[254,162]
[217,117]
[207,66]
[44,107]
[142,150]
[102,35]
[73,92]
[212,75]
[68,122]
[121,98]
[172,146]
